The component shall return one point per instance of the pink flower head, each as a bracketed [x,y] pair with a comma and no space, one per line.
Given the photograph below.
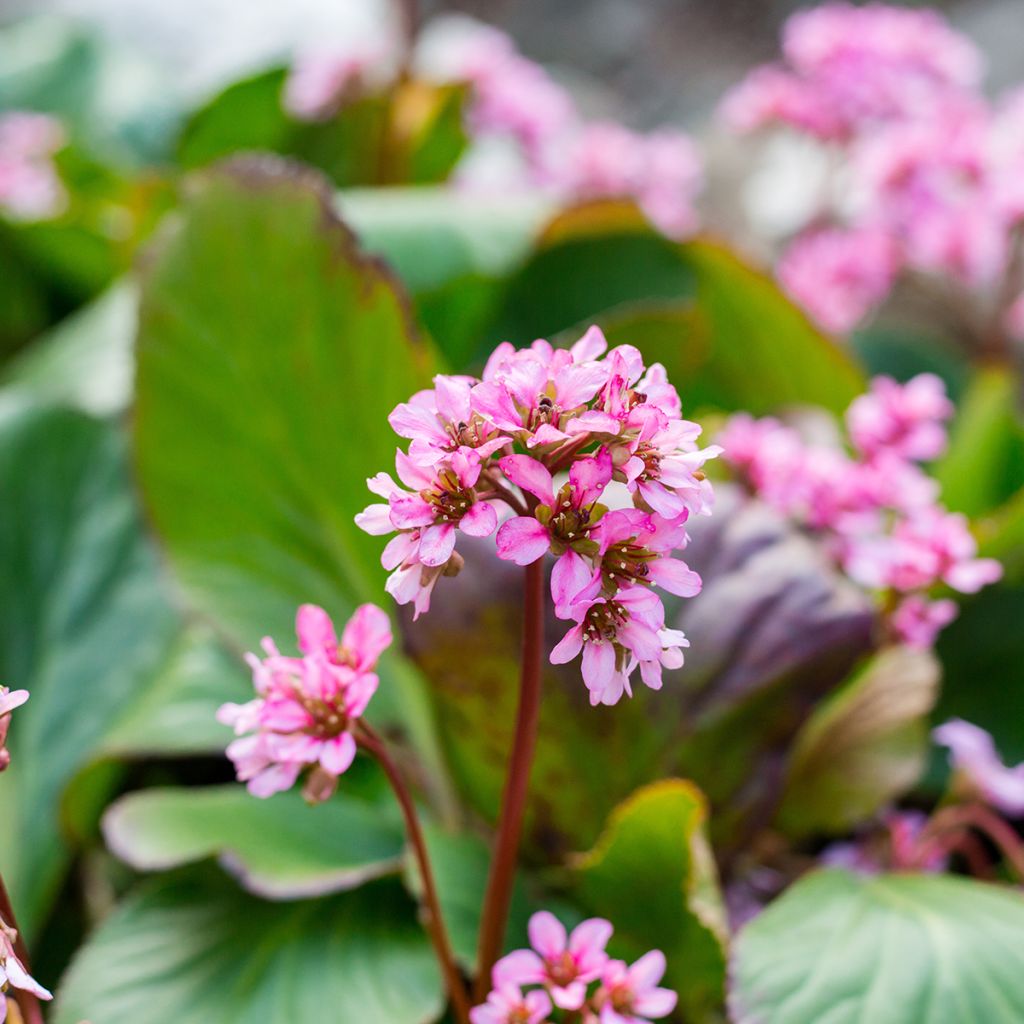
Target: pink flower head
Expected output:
[840,276]
[9,700]
[564,964]
[30,187]
[508,1005]
[906,419]
[13,973]
[599,417]
[975,759]
[661,171]
[631,995]
[308,706]
[849,67]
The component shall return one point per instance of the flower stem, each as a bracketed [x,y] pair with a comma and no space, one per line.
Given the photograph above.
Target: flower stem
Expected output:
[374,745]
[27,1001]
[513,806]
[980,817]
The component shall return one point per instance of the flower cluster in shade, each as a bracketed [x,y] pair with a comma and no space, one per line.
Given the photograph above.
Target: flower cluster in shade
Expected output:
[13,973]
[926,179]
[30,187]
[308,706]
[588,451]
[565,977]
[525,128]
[873,505]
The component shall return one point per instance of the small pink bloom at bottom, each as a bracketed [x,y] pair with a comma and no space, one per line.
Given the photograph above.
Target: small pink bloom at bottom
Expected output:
[507,1005]
[564,964]
[631,995]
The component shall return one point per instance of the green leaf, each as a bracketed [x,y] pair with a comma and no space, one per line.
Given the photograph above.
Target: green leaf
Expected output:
[86,360]
[461,864]
[409,134]
[652,874]
[927,949]
[192,949]
[84,624]
[984,465]
[865,745]
[1001,535]
[728,336]
[279,848]
[270,352]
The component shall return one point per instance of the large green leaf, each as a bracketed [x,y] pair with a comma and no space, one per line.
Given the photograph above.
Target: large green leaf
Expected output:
[189,948]
[653,876]
[270,352]
[84,625]
[898,949]
[730,339]
[279,848]
[984,466]
[864,746]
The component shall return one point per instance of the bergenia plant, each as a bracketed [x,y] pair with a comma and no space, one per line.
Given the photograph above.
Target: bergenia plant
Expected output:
[581,454]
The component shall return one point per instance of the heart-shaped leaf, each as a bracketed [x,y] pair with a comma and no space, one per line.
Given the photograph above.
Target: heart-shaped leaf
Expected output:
[905,949]
[864,746]
[191,948]
[84,625]
[653,876]
[262,321]
[279,848]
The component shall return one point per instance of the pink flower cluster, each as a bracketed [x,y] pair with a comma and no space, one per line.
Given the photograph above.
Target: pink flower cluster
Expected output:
[556,436]
[876,509]
[573,976]
[13,973]
[517,100]
[515,104]
[979,768]
[308,706]
[30,188]
[931,170]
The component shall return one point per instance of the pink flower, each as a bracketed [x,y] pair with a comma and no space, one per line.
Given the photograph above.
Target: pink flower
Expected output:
[660,171]
[507,1005]
[307,707]
[563,964]
[9,700]
[631,995]
[13,973]
[975,759]
[840,276]
[616,635]
[562,522]
[917,621]
[30,187]
[906,419]
[849,67]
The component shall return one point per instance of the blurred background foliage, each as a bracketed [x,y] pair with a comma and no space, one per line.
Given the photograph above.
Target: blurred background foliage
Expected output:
[197,359]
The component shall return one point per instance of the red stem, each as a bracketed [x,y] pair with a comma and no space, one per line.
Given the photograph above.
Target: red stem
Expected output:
[27,1001]
[980,817]
[374,745]
[513,806]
